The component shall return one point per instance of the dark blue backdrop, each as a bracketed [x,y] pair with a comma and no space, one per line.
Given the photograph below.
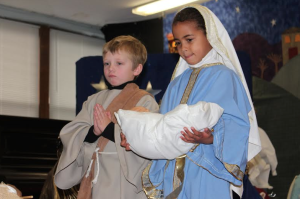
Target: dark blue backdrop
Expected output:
[158,70]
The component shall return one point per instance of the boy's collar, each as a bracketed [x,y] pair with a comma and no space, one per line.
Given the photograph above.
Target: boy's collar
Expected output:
[120,87]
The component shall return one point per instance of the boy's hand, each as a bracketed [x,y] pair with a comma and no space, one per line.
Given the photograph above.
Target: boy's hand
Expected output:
[139,109]
[101,119]
[124,142]
[197,137]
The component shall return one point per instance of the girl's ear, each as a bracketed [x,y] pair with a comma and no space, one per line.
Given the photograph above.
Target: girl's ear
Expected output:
[138,70]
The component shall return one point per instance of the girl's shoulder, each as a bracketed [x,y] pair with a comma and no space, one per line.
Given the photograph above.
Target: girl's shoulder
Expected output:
[221,70]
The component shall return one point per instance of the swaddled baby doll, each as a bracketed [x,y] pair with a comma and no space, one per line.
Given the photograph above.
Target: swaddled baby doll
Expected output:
[157,136]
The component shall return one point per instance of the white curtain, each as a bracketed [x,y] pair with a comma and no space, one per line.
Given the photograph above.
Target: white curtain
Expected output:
[19,69]
[65,50]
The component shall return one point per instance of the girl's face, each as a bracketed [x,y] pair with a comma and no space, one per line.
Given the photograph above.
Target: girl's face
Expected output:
[192,44]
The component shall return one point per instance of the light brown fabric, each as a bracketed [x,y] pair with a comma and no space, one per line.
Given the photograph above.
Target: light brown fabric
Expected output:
[5,193]
[85,190]
[126,100]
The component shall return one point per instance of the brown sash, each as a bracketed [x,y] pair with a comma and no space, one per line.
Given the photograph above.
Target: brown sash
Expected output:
[126,100]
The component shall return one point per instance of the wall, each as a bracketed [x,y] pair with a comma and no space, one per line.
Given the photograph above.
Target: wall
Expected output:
[255,27]
[149,32]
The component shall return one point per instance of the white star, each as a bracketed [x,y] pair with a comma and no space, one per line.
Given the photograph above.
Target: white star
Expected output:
[149,89]
[101,85]
[237,9]
[273,22]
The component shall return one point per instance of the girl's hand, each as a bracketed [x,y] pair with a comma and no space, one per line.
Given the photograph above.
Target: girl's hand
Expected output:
[101,119]
[124,143]
[197,137]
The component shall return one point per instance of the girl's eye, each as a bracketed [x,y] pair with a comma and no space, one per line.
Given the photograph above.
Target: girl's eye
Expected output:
[106,64]
[119,63]
[189,40]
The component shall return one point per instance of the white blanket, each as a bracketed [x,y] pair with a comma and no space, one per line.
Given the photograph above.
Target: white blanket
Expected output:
[157,136]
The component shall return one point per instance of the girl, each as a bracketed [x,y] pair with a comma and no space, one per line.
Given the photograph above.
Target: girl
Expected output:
[208,70]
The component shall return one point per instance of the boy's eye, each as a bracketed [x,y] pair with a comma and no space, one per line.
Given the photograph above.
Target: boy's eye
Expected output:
[106,64]
[119,63]
[189,40]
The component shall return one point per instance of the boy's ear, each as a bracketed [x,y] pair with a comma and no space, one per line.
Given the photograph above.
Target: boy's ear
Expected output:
[138,70]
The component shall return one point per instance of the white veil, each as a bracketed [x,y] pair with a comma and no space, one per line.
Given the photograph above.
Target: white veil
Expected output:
[226,54]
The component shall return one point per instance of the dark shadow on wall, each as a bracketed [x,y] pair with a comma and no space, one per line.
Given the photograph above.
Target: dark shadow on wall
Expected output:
[278,113]
[149,32]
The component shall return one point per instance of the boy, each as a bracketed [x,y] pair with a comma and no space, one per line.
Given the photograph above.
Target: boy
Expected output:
[92,154]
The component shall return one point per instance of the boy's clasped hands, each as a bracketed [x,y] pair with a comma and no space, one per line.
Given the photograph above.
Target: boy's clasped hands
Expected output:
[101,119]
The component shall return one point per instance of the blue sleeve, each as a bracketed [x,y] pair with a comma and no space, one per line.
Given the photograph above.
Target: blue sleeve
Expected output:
[227,156]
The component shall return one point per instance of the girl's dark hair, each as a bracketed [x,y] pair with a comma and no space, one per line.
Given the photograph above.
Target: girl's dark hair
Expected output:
[192,15]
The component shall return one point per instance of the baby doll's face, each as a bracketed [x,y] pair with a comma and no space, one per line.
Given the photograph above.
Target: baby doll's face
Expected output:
[118,68]
[192,44]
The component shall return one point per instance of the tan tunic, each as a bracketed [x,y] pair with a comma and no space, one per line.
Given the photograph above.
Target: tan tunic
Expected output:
[120,171]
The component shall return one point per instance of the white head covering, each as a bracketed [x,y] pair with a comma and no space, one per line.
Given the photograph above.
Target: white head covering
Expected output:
[224,52]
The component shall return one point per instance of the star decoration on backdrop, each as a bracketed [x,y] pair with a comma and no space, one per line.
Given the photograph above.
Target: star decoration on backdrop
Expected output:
[101,85]
[150,90]
[273,22]
[237,9]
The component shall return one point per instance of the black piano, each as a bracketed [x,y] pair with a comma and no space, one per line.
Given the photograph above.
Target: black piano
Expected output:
[28,151]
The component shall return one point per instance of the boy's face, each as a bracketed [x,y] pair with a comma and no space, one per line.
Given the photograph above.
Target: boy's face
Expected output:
[192,44]
[118,68]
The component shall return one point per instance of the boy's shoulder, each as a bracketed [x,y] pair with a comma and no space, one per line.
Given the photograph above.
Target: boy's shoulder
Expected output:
[97,94]
[95,97]
[138,93]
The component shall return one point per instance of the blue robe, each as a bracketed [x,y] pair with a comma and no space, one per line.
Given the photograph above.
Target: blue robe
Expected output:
[205,173]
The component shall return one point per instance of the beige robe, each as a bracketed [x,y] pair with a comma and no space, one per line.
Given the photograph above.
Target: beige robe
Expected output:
[120,171]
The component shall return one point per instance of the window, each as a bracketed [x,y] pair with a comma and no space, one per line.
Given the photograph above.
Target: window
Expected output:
[297,38]
[19,69]
[65,50]
[287,39]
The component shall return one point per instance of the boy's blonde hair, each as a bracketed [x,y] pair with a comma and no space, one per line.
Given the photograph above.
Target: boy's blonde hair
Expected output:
[136,50]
